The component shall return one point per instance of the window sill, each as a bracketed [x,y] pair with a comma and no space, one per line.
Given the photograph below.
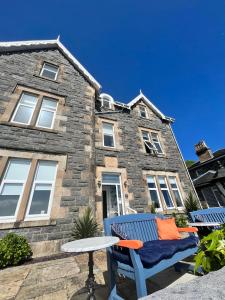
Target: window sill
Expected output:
[108,149]
[24,224]
[157,156]
[28,127]
[46,78]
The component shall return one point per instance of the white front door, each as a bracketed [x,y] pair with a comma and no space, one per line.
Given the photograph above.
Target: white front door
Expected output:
[112,195]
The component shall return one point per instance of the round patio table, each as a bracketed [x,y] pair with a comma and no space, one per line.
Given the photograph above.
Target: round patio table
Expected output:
[90,245]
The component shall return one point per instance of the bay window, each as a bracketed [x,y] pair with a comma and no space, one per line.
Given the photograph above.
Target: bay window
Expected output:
[164,191]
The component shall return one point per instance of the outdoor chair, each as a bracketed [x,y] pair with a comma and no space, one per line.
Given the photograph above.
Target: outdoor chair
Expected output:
[213,214]
[143,254]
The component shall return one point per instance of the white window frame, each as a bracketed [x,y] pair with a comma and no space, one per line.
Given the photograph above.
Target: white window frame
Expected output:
[8,219]
[48,110]
[117,193]
[157,191]
[154,151]
[143,108]
[165,189]
[43,67]
[113,135]
[26,105]
[157,142]
[35,182]
[176,189]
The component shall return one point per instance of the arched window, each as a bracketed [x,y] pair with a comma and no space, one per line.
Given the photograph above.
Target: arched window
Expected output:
[106,101]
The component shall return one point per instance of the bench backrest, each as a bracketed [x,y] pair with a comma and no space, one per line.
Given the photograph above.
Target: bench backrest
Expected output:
[214,214]
[136,226]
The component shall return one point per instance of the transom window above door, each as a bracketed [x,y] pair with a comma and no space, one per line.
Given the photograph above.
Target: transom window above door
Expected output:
[37,110]
[49,71]
[108,135]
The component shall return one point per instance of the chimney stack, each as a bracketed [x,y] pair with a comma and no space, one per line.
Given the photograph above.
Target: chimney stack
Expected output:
[203,152]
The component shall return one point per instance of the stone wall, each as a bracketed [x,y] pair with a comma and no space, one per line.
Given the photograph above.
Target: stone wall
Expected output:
[133,157]
[74,139]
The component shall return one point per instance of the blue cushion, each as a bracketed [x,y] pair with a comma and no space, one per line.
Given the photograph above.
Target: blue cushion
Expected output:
[153,252]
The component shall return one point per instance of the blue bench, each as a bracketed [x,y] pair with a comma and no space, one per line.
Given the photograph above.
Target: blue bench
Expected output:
[143,263]
[214,214]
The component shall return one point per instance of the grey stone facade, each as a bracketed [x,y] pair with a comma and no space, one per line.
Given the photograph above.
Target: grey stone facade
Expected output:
[78,138]
[75,141]
[135,160]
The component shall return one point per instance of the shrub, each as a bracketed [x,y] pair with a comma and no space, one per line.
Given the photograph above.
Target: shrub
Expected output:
[211,253]
[152,208]
[14,250]
[85,226]
[180,220]
[191,203]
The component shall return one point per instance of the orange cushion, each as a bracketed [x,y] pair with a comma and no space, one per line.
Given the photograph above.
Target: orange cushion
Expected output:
[167,229]
[132,244]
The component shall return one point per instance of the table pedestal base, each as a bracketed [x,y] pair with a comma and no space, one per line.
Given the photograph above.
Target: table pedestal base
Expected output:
[90,282]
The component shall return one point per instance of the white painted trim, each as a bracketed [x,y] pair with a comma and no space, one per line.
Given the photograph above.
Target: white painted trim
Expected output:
[7,219]
[39,44]
[52,182]
[202,175]
[43,67]
[113,135]
[26,105]
[141,96]
[49,110]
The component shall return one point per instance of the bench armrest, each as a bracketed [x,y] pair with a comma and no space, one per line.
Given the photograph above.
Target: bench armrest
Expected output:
[131,244]
[187,229]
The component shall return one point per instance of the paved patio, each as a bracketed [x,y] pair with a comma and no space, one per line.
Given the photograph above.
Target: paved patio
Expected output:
[64,279]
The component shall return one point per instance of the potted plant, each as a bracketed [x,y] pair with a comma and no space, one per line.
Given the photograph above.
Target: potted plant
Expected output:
[85,226]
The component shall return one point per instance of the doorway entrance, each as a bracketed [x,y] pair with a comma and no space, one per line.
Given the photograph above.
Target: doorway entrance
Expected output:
[112,195]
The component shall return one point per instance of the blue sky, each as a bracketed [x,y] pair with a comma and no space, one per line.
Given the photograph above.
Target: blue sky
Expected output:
[173,50]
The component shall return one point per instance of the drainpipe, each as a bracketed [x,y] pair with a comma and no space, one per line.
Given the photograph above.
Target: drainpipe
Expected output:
[185,165]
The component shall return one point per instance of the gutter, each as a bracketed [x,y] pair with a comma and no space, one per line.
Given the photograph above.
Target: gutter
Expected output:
[189,176]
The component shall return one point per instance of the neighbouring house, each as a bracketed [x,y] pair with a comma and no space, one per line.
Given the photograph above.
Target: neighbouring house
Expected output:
[208,175]
[64,145]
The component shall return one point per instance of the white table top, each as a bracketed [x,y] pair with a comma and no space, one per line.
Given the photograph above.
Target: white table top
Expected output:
[90,244]
[200,224]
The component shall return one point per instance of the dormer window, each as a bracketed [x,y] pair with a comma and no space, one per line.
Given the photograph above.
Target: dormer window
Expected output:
[106,101]
[49,71]
[143,112]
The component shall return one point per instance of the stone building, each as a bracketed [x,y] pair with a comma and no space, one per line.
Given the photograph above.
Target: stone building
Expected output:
[208,175]
[64,146]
